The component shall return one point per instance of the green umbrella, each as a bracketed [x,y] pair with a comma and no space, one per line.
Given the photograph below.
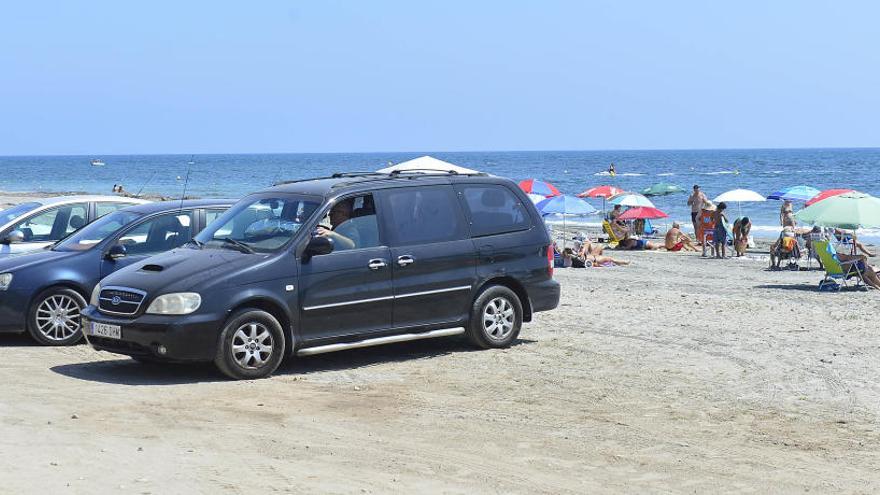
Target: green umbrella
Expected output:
[662,189]
[851,210]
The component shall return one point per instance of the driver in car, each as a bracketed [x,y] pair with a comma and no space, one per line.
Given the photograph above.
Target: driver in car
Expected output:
[339,215]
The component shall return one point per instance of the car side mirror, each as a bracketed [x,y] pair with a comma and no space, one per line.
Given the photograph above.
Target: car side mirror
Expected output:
[116,252]
[318,245]
[14,237]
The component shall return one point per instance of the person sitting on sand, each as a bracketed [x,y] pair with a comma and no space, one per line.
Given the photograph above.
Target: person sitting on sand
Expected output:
[741,228]
[676,240]
[588,247]
[786,244]
[630,244]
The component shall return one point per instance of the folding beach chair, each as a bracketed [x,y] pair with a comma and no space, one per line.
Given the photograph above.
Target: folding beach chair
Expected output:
[836,269]
[706,229]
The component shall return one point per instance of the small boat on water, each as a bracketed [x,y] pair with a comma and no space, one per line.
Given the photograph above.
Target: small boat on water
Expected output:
[97,162]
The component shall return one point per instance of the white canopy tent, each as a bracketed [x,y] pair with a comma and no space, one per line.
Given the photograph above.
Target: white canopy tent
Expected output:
[427,164]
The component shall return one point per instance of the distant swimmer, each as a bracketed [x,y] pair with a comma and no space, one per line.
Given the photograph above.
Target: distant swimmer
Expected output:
[611,171]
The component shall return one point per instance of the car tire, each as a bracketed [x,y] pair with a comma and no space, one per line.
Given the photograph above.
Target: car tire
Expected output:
[54,317]
[495,319]
[251,345]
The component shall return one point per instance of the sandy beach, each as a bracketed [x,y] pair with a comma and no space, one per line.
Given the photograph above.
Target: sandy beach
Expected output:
[676,374]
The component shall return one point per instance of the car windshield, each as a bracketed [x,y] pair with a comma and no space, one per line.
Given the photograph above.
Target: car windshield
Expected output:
[97,231]
[258,225]
[16,211]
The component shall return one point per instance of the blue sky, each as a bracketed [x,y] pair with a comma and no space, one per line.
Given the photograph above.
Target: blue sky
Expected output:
[295,76]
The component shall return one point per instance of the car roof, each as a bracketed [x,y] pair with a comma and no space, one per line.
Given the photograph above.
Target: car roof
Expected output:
[160,206]
[55,200]
[356,181]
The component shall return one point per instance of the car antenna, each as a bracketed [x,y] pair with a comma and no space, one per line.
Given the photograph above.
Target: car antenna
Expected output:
[185,183]
[277,176]
[145,184]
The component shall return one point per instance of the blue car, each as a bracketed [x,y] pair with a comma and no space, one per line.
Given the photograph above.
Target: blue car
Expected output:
[43,292]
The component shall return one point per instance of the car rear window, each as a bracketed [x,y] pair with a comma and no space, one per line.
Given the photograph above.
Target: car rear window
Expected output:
[420,215]
[493,209]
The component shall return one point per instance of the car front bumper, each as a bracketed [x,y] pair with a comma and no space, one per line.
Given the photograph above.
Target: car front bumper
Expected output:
[14,306]
[181,337]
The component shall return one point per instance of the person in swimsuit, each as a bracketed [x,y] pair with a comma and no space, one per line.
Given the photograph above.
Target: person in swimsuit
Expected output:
[676,240]
[719,235]
[630,244]
[741,228]
[598,261]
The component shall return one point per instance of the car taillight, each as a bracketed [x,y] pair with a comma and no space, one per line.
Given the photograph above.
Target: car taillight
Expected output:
[550,259]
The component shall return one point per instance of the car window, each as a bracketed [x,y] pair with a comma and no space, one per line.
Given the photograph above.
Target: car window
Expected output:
[97,231]
[16,211]
[423,215]
[104,208]
[353,223]
[214,214]
[493,209]
[158,234]
[54,223]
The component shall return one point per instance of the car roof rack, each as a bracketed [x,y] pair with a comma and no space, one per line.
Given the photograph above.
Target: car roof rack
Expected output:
[376,176]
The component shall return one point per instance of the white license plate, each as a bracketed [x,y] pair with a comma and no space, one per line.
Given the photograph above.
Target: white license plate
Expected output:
[105,330]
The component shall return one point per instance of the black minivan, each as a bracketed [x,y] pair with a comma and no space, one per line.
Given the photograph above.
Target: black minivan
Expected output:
[321,265]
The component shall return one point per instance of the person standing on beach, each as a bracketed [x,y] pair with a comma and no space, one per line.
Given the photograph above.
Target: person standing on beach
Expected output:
[719,235]
[696,201]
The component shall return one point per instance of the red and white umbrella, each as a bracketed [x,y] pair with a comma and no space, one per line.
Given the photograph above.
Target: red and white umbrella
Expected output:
[600,192]
[642,212]
[827,194]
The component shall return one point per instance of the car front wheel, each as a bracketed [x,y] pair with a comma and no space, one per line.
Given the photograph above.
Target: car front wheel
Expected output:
[54,317]
[496,318]
[251,345]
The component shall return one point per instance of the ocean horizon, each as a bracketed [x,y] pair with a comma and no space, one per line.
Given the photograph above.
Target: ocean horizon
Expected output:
[234,175]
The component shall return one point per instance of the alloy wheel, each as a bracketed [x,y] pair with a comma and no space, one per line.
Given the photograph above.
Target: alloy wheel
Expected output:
[498,318]
[252,345]
[57,317]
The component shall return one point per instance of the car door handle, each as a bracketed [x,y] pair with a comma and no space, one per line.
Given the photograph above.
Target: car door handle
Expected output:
[377,263]
[405,260]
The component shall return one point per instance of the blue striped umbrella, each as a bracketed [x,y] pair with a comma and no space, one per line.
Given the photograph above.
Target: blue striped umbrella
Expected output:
[566,205]
[795,193]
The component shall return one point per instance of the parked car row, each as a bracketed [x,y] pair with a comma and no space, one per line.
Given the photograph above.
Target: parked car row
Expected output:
[302,268]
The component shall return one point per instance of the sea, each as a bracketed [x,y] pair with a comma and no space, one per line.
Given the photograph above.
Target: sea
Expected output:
[234,175]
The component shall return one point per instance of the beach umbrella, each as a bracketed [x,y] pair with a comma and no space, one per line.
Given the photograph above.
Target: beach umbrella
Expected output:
[826,194]
[536,198]
[630,199]
[795,193]
[852,210]
[739,196]
[426,164]
[662,189]
[642,212]
[603,192]
[535,186]
[565,205]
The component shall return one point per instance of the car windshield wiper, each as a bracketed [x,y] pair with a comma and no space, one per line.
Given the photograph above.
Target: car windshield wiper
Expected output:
[244,248]
[199,244]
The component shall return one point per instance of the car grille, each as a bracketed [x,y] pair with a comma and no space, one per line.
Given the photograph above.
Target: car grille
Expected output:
[120,300]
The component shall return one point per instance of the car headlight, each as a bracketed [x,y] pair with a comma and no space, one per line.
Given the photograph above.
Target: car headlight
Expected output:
[96,293]
[180,303]
[5,280]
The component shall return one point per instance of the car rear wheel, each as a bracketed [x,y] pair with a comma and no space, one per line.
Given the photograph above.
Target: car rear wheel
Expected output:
[251,345]
[54,317]
[496,318]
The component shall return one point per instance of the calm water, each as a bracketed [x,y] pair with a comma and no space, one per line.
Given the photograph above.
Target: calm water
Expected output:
[572,171]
